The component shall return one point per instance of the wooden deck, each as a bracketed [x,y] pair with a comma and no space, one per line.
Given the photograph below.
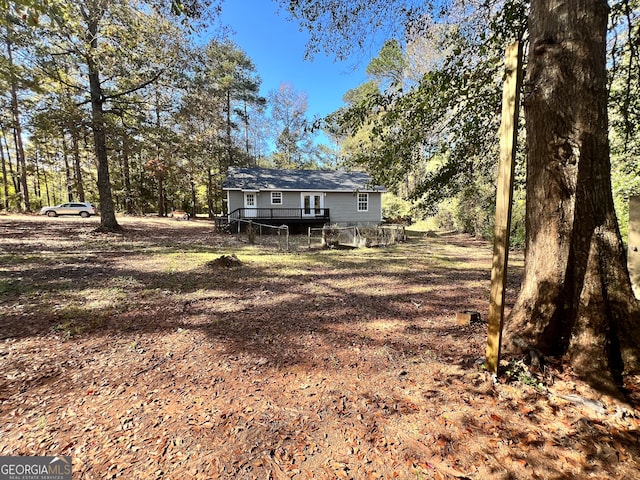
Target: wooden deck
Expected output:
[281,216]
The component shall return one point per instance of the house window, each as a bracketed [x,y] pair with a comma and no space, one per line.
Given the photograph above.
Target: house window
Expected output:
[363,202]
[276,198]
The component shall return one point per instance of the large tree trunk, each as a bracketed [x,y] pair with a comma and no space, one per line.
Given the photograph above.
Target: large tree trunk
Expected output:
[576,297]
[108,220]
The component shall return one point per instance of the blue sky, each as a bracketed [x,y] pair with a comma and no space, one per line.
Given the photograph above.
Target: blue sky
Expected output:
[277,48]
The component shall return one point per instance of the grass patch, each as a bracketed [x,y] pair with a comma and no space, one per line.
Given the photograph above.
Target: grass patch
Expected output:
[76,321]
[11,287]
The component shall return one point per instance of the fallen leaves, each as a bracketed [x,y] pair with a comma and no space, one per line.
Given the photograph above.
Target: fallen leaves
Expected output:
[335,370]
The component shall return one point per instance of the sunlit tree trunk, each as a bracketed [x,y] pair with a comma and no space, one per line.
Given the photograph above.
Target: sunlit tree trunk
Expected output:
[576,297]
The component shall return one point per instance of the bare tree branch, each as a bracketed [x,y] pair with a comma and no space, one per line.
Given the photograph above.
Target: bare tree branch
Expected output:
[134,89]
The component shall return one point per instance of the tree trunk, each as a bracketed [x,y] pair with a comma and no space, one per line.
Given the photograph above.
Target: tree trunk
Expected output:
[229,139]
[17,126]
[161,210]
[126,175]
[193,198]
[246,128]
[5,180]
[210,194]
[12,174]
[576,297]
[108,220]
[67,169]
[36,177]
[76,164]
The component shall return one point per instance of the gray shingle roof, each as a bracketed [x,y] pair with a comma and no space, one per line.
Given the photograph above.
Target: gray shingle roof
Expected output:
[276,179]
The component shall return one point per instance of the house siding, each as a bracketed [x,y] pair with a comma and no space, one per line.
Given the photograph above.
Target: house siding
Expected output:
[343,208]
[236,200]
[338,191]
[289,200]
[263,200]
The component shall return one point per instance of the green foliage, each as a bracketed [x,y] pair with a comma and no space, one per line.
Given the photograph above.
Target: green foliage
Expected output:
[388,67]
[624,107]
[475,211]
[424,124]
[436,139]
[175,115]
[517,239]
[518,372]
[294,141]
[395,208]
[341,27]
[624,77]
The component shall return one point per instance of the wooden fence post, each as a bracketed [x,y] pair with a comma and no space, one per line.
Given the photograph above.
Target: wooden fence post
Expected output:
[506,167]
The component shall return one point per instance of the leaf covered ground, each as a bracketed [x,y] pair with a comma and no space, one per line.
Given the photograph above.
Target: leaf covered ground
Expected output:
[143,355]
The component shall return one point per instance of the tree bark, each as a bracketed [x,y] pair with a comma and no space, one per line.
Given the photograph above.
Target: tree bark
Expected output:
[5,180]
[108,220]
[36,177]
[12,174]
[246,128]
[229,139]
[126,175]
[193,197]
[76,164]
[161,199]
[67,168]
[210,194]
[576,299]
[17,126]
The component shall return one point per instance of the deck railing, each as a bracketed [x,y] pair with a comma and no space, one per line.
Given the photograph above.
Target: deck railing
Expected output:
[299,214]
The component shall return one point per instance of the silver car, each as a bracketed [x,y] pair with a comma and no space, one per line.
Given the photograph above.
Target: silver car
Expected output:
[70,208]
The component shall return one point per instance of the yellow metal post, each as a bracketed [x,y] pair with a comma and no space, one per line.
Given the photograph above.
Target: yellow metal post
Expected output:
[506,167]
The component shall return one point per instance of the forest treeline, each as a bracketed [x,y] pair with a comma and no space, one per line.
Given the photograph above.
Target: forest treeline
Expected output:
[124,96]
[134,83]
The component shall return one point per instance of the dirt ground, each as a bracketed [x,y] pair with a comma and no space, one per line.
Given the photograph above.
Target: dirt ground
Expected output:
[143,355]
